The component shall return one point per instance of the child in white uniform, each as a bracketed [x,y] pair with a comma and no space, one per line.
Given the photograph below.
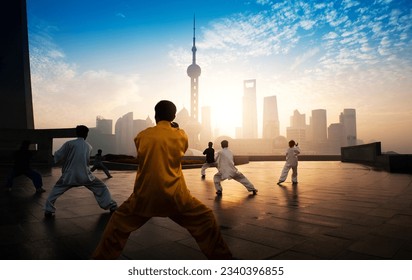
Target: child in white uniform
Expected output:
[291,162]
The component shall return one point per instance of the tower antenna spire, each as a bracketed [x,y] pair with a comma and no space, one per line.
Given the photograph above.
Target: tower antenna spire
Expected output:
[194,40]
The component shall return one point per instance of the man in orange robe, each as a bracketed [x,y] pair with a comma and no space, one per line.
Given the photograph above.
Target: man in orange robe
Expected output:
[160,190]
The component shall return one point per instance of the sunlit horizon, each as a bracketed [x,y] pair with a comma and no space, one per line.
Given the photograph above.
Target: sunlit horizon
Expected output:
[111,59]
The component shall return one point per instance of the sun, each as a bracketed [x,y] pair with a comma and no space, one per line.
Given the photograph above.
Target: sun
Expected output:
[226,114]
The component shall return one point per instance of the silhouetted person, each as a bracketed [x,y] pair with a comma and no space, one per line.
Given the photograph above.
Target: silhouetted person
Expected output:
[210,159]
[160,190]
[227,170]
[98,164]
[75,156]
[22,158]
[291,162]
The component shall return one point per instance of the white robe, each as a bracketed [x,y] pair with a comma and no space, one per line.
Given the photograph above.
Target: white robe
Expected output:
[75,169]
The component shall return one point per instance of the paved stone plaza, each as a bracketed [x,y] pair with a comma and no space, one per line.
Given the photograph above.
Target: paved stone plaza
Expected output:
[337,211]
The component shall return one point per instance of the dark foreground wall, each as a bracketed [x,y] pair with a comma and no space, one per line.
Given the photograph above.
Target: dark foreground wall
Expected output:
[16,108]
[370,154]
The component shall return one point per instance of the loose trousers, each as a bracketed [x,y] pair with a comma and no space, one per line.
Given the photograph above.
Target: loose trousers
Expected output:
[285,172]
[99,189]
[205,166]
[196,218]
[101,167]
[34,176]
[238,177]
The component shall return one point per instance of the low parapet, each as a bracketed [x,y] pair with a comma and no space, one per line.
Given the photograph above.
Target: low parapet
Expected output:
[371,155]
[10,140]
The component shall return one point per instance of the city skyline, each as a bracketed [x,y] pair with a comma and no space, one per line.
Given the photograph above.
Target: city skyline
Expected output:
[107,59]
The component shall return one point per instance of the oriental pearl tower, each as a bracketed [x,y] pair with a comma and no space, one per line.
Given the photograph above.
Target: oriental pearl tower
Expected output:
[193,71]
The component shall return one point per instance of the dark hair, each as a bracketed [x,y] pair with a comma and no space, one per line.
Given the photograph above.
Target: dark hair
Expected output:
[224,144]
[210,144]
[82,131]
[292,143]
[165,111]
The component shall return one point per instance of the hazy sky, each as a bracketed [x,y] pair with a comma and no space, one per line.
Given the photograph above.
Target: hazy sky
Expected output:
[111,57]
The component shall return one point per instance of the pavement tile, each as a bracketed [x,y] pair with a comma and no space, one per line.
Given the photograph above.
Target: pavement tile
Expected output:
[323,247]
[383,247]
[247,250]
[337,211]
[350,231]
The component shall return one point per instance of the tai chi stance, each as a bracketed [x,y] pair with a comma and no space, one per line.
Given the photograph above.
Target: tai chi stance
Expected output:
[75,156]
[291,162]
[98,164]
[160,190]
[227,170]
[22,166]
[210,159]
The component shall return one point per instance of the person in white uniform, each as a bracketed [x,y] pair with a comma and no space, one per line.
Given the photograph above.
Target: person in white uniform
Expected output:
[291,162]
[75,156]
[227,170]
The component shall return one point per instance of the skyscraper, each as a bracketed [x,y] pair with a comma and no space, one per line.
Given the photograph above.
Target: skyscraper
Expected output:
[124,135]
[319,126]
[297,129]
[336,136]
[193,71]
[270,128]
[103,125]
[250,129]
[348,119]
[298,120]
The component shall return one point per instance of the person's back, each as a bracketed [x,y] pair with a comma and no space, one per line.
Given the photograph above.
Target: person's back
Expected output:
[159,152]
[75,155]
[292,155]
[225,163]
[98,159]
[210,153]
[291,162]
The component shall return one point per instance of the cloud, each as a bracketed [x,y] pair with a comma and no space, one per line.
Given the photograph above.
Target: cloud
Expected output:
[349,4]
[307,24]
[330,36]
[263,2]
[60,91]
[304,57]
[121,15]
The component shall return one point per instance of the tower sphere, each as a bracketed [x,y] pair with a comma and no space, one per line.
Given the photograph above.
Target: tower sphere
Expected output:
[193,70]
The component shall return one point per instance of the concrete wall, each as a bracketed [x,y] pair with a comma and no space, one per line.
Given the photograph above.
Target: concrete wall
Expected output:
[370,154]
[367,153]
[10,140]
[395,163]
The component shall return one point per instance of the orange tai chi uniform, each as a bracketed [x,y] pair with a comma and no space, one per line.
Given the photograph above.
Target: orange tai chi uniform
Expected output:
[160,190]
